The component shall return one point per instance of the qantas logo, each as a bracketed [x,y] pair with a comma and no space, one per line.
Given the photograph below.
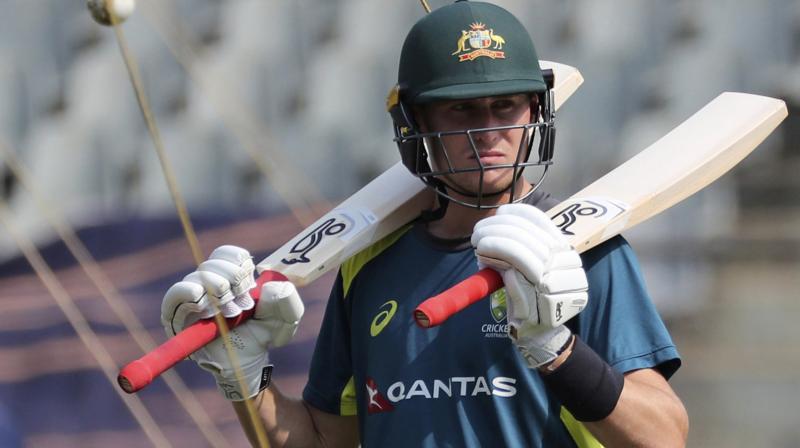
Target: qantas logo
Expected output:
[457,386]
[376,402]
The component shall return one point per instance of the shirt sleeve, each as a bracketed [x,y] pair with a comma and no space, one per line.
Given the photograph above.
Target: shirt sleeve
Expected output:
[620,321]
[330,386]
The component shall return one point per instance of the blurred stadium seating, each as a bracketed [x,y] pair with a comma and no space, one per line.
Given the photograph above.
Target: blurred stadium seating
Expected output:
[301,84]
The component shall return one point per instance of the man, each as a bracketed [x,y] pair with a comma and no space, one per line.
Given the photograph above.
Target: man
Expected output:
[470,105]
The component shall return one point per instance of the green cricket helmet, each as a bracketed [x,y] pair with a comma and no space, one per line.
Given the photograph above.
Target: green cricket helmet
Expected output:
[461,51]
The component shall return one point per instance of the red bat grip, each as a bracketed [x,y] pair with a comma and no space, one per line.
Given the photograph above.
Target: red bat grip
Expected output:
[439,308]
[138,374]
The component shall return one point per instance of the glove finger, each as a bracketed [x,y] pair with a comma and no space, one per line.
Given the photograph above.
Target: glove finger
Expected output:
[184,303]
[230,309]
[280,300]
[564,280]
[240,279]
[532,242]
[494,263]
[235,254]
[514,253]
[241,258]
[243,272]
[520,225]
[555,309]
[566,259]
[536,217]
[245,302]
[218,288]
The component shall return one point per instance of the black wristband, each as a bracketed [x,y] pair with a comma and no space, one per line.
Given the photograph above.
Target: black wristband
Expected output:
[585,384]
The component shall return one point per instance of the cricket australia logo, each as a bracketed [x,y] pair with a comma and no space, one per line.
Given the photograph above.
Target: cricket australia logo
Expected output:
[476,41]
[312,239]
[498,309]
[498,303]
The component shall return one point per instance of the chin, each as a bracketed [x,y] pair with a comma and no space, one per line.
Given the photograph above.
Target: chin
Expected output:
[493,181]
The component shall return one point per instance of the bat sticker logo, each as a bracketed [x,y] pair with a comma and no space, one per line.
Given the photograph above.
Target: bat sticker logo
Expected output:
[307,243]
[595,208]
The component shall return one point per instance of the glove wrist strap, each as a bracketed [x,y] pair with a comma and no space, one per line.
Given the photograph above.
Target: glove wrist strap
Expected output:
[542,348]
[256,377]
[563,353]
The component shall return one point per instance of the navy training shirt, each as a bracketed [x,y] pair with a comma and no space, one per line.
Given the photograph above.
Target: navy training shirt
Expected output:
[463,384]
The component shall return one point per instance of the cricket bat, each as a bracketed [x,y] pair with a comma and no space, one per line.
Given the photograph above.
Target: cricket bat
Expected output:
[691,156]
[391,200]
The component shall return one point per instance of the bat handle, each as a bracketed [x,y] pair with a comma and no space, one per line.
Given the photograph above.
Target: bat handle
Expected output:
[141,372]
[439,308]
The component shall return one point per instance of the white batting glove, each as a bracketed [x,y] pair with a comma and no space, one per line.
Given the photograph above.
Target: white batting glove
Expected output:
[543,276]
[226,279]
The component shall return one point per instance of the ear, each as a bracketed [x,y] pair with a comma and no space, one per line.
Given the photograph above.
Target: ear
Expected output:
[412,151]
[535,108]
[420,117]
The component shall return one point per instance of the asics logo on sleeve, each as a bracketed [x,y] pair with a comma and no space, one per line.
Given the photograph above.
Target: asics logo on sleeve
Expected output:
[382,319]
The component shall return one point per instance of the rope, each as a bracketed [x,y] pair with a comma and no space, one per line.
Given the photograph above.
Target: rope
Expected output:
[183,213]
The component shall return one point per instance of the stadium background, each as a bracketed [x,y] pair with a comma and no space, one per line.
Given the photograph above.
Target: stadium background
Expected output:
[301,85]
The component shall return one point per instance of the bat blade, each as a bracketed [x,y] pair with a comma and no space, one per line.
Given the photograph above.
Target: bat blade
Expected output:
[392,199]
[382,206]
[567,80]
[691,156]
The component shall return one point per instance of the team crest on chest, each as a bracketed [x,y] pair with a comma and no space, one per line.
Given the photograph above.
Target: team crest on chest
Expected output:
[499,311]
[498,304]
[476,41]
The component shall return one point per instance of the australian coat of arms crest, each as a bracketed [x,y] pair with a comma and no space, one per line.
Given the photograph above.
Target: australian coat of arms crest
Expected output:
[476,41]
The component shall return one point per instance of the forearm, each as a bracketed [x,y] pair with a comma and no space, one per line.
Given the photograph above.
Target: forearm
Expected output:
[286,421]
[646,414]
[637,409]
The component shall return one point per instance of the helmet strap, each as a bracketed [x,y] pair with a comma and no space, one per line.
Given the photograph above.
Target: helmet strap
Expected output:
[438,213]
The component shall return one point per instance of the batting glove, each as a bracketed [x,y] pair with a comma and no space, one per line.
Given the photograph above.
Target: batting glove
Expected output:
[226,279]
[543,275]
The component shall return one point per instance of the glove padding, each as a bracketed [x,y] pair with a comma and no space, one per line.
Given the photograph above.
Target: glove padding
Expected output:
[226,279]
[543,276]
